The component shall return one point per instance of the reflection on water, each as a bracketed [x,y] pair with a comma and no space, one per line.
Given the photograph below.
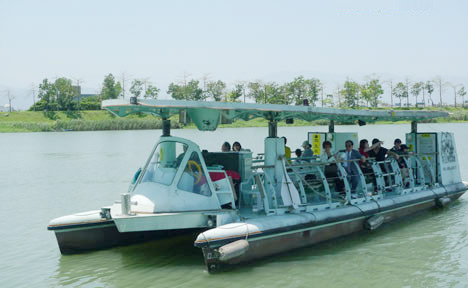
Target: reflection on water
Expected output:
[46,175]
[130,262]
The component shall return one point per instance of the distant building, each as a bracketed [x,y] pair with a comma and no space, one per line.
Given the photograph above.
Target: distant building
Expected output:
[80,95]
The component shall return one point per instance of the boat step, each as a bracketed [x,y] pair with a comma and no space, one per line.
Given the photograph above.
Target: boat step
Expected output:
[442,202]
[374,222]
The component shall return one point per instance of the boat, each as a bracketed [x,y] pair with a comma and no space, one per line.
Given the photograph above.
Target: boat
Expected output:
[242,207]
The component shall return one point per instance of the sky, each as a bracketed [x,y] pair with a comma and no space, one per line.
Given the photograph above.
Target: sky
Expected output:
[231,41]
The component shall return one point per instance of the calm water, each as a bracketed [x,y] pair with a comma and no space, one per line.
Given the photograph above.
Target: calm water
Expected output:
[46,175]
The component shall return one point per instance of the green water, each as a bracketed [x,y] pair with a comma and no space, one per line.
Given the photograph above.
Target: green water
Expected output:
[47,175]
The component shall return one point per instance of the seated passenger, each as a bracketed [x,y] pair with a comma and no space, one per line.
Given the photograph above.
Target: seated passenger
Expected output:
[226,147]
[364,147]
[307,154]
[298,153]
[378,152]
[351,169]
[364,150]
[327,154]
[236,147]
[404,169]
[287,150]
[398,150]
[397,146]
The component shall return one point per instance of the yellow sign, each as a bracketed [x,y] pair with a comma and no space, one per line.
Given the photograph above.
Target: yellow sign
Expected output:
[316,143]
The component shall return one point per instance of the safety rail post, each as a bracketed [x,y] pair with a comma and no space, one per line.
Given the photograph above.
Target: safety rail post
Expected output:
[325,185]
[362,180]
[397,175]
[301,180]
[379,181]
[344,177]
[261,189]
[409,166]
[420,177]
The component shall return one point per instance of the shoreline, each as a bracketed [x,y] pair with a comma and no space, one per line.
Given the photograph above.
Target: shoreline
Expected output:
[100,120]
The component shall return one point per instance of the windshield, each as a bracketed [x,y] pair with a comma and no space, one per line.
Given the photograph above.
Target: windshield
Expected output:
[164,162]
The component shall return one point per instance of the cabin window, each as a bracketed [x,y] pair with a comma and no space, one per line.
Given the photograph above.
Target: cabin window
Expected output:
[165,162]
[193,178]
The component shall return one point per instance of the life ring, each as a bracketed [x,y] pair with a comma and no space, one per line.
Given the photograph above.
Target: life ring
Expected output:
[197,166]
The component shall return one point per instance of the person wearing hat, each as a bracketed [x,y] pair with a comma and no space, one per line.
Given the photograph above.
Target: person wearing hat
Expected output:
[378,152]
[398,149]
[307,154]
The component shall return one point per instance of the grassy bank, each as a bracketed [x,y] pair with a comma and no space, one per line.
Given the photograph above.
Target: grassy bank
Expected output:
[29,121]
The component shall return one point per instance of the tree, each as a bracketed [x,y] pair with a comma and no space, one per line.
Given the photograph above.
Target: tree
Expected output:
[151,92]
[407,86]
[430,89]
[176,91]
[215,90]
[400,91]
[136,88]
[186,91]
[110,89]
[313,87]
[194,92]
[272,94]
[462,93]
[118,89]
[350,92]
[440,84]
[328,101]
[371,91]
[454,86]
[47,93]
[65,93]
[296,90]
[255,91]
[236,93]
[416,90]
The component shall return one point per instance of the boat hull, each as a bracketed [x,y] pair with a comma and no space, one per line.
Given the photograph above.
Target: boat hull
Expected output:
[105,235]
[282,240]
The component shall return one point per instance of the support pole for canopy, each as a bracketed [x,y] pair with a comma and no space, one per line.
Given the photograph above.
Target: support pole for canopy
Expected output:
[414,127]
[272,129]
[166,127]
[331,126]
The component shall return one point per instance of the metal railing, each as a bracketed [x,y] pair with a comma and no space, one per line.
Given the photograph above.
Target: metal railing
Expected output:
[328,185]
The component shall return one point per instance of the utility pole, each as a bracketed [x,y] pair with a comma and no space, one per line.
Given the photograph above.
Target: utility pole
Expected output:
[10,98]
[440,83]
[321,86]
[391,91]
[454,86]
[124,78]
[145,85]
[78,81]
[33,90]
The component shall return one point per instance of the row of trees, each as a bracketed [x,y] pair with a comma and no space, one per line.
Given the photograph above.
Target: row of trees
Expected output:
[112,89]
[352,94]
[62,95]
[403,90]
[293,92]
